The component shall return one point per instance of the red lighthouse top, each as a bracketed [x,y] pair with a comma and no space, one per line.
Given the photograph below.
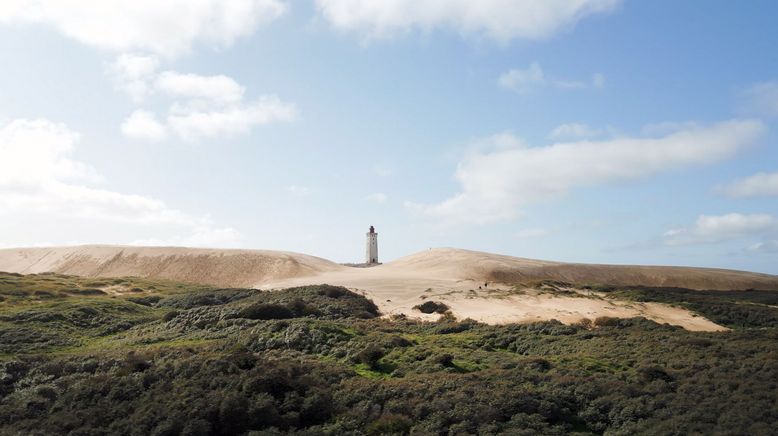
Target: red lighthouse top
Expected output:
[372,229]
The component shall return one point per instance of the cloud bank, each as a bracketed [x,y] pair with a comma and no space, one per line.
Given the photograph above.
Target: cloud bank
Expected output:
[495,185]
[499,20]
[169,28]
[38,176]
[204,107]
[709,229]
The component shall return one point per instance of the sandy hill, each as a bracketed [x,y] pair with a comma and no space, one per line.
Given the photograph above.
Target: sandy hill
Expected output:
[229,268]
[466,264]
[453,276]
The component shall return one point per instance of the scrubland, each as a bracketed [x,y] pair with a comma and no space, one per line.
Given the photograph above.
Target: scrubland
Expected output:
[90,356]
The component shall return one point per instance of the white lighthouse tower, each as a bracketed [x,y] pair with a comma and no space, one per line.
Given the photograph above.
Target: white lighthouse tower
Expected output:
[371,247]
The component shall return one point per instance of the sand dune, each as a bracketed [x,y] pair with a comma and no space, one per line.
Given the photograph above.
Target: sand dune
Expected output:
[466,264]
[452,276]
[459,279]
[229,268]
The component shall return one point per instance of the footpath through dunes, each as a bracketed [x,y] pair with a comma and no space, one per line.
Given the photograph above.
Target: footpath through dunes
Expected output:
[218,267]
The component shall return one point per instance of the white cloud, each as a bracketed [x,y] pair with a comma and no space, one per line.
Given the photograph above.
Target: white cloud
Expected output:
[168,28]
[761,98]
[765,247]
[35,153]
[720,228]
[758,185]
[495,185]
[574,131]
[191,123]
[500,20]
[523,80]
[378,198]
[131,72]
[533,77]
[144,125]
[37,176]
[209,106]
[221,89]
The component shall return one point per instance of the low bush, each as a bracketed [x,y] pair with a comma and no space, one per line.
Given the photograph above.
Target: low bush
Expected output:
[87,291]
[266,311]
[606,321]
[170,315]
[370,356]
[431,307]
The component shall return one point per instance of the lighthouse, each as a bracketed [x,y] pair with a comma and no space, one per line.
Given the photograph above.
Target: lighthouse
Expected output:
[371,247]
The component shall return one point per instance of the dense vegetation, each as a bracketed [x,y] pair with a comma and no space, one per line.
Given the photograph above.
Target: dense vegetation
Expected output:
[131,356]
[734,309]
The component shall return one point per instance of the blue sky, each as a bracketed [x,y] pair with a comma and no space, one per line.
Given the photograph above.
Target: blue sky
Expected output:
[590,131]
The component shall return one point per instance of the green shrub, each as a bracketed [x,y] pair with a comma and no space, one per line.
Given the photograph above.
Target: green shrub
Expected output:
[87,291]
[431,307]
[333,291]
[170,315]
[606,321]
[149,300]
[266,311]
[370,356]
[389,424]
[445,360]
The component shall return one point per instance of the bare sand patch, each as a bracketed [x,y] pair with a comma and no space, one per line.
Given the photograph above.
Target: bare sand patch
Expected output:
[396,292]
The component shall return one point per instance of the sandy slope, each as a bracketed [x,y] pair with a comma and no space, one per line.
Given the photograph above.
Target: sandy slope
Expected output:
[449,275]
[466,264]
[454,276]
[238,268]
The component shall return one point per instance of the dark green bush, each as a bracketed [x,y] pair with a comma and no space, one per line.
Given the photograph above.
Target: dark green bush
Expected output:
[370,355]
[653,372]
[170,315]
[431,307]
[149,300]
[446,360]
[606,321]
[87,291]
[333,291]
[389,424]
[266,311]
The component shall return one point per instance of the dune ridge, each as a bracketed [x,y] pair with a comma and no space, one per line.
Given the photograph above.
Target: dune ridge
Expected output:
[467,264]
[235,267]
[486,287]
[218,267]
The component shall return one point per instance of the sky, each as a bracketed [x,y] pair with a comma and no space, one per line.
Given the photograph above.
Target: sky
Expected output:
[598,131]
